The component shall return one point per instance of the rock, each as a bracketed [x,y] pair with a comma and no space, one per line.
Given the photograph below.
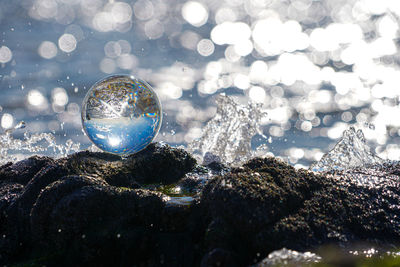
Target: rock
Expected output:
[209,158]
[100,212]
[108,225]
[95,208]
[8,193]
[46,204]
[160,164]
[217,258]
[267,205]
[43,208]
[16,227]
[155,164]
[23,171]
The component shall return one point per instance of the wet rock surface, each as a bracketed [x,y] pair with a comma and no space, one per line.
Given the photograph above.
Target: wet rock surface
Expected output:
[93,208]
[267,205]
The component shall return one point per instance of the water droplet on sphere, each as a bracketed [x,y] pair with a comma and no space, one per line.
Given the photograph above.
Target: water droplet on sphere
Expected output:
[121,114]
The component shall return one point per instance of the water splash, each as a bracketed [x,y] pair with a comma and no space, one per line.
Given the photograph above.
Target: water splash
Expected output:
[286,256]
[351,151]
[228,135]
[33,143]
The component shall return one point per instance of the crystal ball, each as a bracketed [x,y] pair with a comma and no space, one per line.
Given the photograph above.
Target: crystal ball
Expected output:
[121,114]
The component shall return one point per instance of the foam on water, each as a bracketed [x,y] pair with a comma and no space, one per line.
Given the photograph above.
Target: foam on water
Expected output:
[228,135]
[349,152]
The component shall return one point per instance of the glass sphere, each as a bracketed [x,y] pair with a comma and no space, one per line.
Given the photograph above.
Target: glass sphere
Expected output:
[121,114]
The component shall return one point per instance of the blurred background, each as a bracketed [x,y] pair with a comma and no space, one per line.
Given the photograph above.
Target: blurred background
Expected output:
[317,67]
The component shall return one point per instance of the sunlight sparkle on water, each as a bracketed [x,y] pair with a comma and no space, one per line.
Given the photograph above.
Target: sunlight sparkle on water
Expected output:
[317,67]
[67,42]
[5,54]
[47,50]
[194,13]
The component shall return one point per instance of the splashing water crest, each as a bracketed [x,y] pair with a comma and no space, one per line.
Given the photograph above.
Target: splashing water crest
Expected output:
[286,256]
[350,151]
[34,143]
[228,135]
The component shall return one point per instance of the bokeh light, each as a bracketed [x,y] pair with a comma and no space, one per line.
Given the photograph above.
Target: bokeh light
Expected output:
[47,50]
[7,121]
[5,54]
[205,47]
[316,67]
[67,42]
[194,13]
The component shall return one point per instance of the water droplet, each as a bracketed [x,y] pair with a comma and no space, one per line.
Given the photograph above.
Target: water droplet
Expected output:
[370,126]
[262,148]
[20,125]
[121,114]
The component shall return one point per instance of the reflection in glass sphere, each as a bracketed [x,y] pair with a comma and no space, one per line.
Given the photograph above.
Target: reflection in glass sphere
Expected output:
[121,114]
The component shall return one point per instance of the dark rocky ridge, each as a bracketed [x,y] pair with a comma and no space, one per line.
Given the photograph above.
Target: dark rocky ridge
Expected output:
[94,208]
